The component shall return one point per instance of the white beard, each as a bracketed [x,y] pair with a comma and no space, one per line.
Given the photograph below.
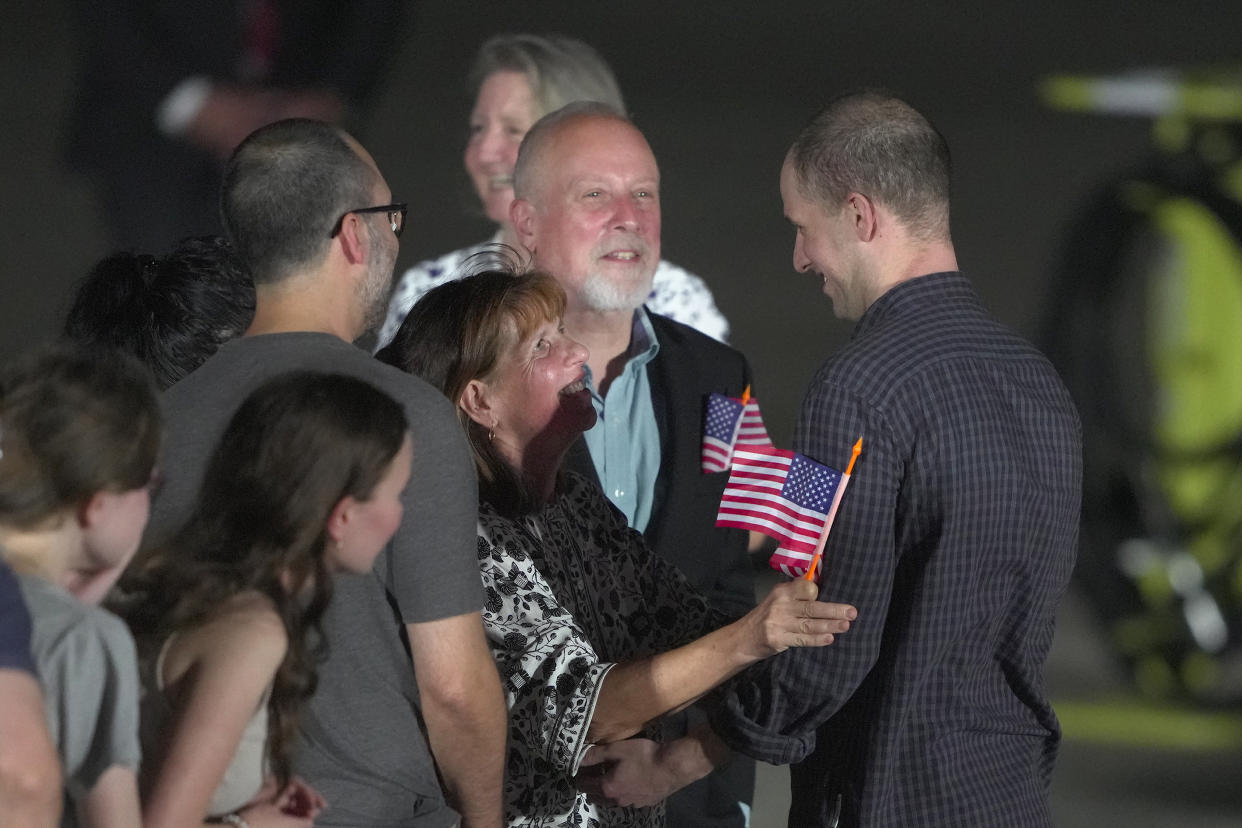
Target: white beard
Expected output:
[603,294]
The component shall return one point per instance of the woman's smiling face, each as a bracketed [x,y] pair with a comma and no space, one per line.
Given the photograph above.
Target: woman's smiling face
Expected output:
[504,112]
[538,394]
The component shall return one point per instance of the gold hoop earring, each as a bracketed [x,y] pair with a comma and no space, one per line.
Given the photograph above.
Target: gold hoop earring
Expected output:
[491,435]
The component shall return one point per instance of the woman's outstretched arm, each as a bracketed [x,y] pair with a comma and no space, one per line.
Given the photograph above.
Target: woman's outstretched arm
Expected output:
[636,692]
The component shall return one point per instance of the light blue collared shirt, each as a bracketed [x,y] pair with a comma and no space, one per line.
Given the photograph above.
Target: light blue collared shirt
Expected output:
[625,441]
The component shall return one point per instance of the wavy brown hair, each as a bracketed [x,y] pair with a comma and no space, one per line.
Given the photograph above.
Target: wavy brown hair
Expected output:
[295,447]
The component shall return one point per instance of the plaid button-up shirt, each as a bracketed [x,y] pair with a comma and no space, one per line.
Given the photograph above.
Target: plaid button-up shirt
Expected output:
[955,541]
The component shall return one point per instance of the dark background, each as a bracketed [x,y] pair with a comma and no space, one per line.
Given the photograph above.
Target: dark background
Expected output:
[720,88]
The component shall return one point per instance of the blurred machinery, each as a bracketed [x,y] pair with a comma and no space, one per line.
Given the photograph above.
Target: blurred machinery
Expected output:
[1145,324]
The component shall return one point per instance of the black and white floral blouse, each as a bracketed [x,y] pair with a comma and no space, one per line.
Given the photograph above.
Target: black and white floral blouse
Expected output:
[572,590]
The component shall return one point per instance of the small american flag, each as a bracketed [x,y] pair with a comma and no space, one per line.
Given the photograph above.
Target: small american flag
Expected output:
[785,495]
[730,423]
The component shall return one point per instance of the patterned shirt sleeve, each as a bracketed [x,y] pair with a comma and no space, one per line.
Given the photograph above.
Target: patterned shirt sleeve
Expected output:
[771,711]
[677,613]
[550,672]
[680,295]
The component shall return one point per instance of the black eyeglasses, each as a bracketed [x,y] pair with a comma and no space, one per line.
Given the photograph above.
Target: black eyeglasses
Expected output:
[396,217]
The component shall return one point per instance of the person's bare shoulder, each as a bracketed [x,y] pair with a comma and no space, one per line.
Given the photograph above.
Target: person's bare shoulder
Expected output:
[245,633]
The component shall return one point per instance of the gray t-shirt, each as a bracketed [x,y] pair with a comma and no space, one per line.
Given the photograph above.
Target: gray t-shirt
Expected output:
[89,672]
[361,740]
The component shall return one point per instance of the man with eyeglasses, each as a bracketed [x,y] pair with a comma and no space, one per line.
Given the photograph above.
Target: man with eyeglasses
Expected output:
[310,214]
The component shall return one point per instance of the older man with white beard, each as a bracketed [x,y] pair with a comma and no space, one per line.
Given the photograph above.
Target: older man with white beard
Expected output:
[587,207]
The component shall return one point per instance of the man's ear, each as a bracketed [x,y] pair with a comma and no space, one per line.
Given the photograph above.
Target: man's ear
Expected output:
[863,211]
[522,214]
[353,239]
[476,402]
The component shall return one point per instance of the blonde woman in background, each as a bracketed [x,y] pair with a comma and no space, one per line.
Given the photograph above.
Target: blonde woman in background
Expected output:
[517,79]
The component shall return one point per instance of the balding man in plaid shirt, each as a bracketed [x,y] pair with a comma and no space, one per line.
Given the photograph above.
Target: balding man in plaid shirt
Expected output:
[957,535]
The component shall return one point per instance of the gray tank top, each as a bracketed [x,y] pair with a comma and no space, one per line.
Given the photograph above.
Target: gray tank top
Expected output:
[245,773]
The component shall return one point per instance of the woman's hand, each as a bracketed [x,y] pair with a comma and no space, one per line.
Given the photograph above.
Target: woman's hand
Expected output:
[296,806]
[641,772]
[629,772]
[300,799]
[792,616]
[635,692]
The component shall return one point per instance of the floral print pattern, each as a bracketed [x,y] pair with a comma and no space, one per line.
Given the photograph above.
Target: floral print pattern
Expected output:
[571,591]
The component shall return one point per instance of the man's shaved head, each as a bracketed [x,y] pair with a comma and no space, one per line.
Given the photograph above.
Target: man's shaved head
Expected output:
[526,173]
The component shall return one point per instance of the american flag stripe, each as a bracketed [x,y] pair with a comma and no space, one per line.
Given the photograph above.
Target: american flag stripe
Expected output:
[752,430]
[793,526]
[747,478]
[765,457]
[805,537]
[747,482]
[770,464]
[806,542]
[715,454]
[798,556]
[792,513]
[792,562]
[793,558]
[753,499]
[729,423]
[772,503]
[785,495]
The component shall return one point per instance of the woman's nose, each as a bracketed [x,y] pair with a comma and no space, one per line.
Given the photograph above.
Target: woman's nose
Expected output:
[489,144]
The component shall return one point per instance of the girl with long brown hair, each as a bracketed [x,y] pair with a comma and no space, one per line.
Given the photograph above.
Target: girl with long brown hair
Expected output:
[305,482]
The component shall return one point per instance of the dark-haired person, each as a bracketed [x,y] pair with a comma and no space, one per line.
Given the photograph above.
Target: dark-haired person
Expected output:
[314,222]
[30,782]
[306,482]
[596,636]
[171,311]
[79,435]
[958,534]
[516,79]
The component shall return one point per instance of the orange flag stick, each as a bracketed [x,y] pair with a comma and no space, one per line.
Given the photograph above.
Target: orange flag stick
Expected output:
[746,395]
[823,536]
[857,451]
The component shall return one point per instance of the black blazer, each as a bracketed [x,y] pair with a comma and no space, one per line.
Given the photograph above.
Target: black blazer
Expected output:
[689,366]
